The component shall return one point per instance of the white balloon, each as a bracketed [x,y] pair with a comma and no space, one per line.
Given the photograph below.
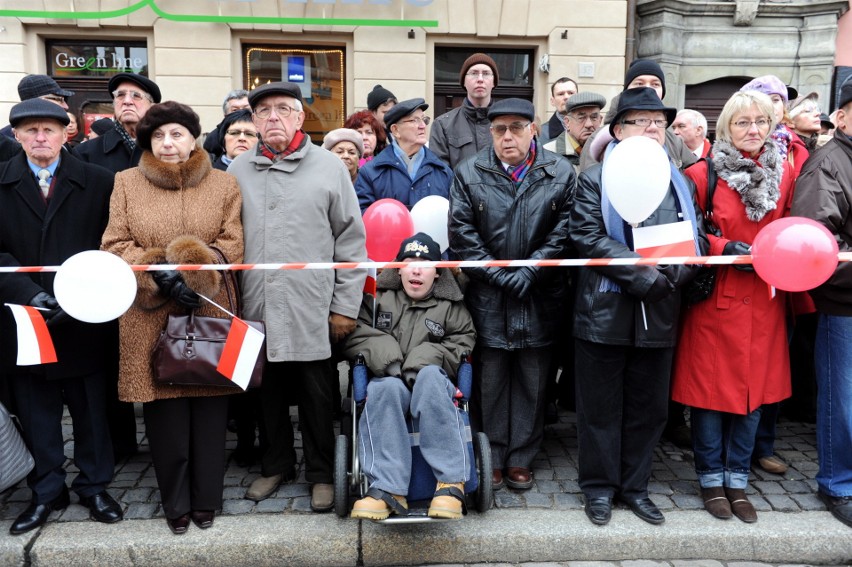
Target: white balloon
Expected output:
[95,286]
[429,215]
[636,176]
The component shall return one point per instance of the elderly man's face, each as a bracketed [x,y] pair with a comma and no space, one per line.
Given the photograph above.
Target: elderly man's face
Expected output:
[41,140]
[684,128]
[280,120]
[236,104]
[642,123]
[130,103]
[582,122]
[410,131]
[512,138]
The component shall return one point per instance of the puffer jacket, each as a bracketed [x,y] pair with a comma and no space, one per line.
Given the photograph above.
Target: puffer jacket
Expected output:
[386,177]
[460,133]
[491,219]
[616,318]
[433,331]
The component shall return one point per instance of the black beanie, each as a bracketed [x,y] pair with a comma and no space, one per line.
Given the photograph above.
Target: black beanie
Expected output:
[378,96]
[641,67]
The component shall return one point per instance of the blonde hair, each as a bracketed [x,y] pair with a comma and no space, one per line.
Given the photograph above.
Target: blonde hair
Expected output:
[742,101]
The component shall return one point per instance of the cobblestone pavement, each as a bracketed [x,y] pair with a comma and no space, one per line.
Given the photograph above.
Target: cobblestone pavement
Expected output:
[635,563]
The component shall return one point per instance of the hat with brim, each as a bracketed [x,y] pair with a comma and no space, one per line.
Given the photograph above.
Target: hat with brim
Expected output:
[34,86]
[281,88]
[583,99]
[403,109]
[37,109]
[642,98]
[512,107]
[825,121]
[144,83]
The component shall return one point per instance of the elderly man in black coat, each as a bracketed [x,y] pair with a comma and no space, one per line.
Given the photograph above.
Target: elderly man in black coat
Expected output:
[53,206]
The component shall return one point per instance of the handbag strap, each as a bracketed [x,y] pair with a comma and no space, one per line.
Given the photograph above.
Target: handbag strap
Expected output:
[229,279]
[712,180]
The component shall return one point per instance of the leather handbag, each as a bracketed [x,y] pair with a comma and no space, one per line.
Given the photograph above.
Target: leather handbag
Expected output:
[189,348]
[16,461]
[701,286]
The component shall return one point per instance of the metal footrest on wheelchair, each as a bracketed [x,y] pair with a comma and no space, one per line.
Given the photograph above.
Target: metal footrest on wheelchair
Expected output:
[416,515]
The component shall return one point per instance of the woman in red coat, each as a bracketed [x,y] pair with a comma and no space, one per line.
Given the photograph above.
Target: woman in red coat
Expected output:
[732,356]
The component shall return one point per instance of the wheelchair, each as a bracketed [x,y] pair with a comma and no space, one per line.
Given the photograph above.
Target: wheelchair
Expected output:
[350,479]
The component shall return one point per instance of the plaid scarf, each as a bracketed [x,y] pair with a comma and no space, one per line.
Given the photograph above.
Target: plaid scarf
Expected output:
[129,142]
[522,168]
[297,142]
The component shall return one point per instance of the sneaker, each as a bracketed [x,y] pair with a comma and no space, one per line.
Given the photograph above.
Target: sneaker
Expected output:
[322,497]
[369,508]
[263,487]
[447,502]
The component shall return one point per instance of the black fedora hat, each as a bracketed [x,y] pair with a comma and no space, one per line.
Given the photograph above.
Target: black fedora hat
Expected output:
[642,98]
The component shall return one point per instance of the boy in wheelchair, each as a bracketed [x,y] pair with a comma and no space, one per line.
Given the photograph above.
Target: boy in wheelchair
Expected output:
[422,328]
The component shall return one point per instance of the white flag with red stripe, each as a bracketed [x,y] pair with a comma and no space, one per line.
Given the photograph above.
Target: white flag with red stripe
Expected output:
[34,343]
[664,240]
[242,347]
[370,282]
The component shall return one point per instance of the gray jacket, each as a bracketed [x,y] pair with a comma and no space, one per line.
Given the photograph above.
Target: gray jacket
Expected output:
[299,209]
[460,133]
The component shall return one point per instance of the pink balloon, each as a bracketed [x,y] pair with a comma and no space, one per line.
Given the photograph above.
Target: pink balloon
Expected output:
[388,223]
[794,254]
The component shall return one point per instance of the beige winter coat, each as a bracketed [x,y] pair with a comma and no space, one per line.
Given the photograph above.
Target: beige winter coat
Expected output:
[169,213]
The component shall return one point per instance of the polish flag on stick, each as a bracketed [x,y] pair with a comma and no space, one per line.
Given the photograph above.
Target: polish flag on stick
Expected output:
[34,343]
[242,347]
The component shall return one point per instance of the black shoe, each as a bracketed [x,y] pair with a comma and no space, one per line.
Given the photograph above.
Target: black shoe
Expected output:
[36,514]
[178,525]
[599,509]
[645,509]
[103,507]
[551,414]
[202,518]
[839,506]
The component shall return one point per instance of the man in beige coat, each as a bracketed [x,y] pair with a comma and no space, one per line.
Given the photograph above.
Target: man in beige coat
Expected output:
[298,206]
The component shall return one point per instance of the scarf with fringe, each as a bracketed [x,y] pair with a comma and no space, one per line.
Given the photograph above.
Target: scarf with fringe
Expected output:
[757,181]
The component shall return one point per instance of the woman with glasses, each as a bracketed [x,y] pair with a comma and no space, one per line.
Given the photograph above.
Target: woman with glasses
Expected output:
[237,134]
[804,119]
[407,170]
[732,355]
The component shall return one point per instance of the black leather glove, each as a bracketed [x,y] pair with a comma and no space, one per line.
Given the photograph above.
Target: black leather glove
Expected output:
[737,248]
[521,282]
[409,377]
[184,296]
[498,277]
[659,290]
[50,310]
[165,280]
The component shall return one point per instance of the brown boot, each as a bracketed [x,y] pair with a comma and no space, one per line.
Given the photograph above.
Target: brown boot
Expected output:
[447,502]
[740,505]
[716,502]
[369,508]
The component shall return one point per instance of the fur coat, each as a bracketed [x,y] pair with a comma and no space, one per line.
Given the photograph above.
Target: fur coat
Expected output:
[169,213]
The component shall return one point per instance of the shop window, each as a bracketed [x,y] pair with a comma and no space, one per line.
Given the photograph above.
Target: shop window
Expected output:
[513,65]
[96,59]
[318,71]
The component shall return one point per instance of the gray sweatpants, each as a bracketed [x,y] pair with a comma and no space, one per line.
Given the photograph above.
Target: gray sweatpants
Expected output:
[384,445]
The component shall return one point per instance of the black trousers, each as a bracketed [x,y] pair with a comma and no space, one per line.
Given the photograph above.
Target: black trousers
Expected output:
[187,440]
[39,404]
[622,406]
[306,384]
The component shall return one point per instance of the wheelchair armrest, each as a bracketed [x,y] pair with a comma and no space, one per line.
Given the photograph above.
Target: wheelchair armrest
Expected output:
[465,377]
[360,378]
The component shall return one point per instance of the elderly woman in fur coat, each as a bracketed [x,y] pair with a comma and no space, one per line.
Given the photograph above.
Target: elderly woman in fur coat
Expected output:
[732,356]
[174,208]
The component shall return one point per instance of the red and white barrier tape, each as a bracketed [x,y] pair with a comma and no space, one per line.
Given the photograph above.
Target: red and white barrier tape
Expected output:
[580,262]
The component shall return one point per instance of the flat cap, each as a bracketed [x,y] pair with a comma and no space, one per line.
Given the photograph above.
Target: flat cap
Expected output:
[403,109]
[279,88]
[144,83]
[37,108]
[582,99]
[512,107]
[34,86]
[845,93]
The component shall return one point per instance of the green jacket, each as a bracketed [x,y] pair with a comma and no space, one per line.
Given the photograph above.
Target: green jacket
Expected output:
[436,330]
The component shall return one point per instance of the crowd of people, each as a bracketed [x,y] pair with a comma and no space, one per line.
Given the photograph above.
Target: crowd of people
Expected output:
[625,347]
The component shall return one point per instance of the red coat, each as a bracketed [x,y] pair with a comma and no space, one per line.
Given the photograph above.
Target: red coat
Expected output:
[732,354]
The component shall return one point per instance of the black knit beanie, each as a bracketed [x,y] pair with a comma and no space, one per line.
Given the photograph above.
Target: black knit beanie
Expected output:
[378,96]
[641,67]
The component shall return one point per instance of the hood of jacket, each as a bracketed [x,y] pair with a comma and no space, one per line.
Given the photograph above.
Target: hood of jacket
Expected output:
[445,286]
[176,175]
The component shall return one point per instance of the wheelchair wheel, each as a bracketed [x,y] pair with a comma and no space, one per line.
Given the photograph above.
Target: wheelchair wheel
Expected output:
[482,453]
[346,420]
[341,477]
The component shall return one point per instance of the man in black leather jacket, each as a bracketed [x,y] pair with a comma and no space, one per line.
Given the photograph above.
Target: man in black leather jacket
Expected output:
[512,201]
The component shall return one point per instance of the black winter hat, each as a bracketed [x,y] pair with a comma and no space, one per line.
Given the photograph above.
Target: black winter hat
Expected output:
[512,107]
[641,67]
[144,83]
[166,113]
[378,96]
[845,93]
[420,246]
[403,109]
[278,88]
[243,115]
[37,108]
[642,98]
[34,86]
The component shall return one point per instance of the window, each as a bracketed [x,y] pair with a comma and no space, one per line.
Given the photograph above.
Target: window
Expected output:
[318,71]
[96,59]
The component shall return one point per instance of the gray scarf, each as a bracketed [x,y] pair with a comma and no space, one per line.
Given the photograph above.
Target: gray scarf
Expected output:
[758,182]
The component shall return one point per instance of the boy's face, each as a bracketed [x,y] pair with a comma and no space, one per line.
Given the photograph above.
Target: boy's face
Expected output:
[417,282]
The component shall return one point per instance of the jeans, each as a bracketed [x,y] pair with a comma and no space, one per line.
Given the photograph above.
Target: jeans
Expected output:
[833,361]
[723,443]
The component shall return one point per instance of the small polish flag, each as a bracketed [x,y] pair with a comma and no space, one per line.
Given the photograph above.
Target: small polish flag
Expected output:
[242,347]
[664,240]
[370,282]
[34,343]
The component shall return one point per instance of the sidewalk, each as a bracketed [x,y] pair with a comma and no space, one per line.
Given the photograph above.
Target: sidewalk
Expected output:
[545,523]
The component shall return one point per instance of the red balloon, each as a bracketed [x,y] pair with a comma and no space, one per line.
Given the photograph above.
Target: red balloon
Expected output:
[388,223]
[794,254]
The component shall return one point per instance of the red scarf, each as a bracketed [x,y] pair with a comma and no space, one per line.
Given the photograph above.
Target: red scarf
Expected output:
[295,144]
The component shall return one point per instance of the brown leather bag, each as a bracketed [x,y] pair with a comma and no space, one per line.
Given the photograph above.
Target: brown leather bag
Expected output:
[188,350]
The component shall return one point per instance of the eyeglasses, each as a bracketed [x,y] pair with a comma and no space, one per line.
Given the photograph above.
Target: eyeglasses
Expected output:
[425,120]
[582,118]
[54,98]
[515,128]
[645,122]
[282,110]
[480,74]
[761,123]
[246,133]
[136,96]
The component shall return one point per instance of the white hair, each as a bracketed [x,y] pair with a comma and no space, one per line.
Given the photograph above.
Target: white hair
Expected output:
[696,117]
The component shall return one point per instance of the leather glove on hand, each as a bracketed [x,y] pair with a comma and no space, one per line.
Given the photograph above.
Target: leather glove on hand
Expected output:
[659,290]
[521,282]
[498,277]
[409,377]
[184,296]
[52,313]
[737,248]
[165,280]
[340,326]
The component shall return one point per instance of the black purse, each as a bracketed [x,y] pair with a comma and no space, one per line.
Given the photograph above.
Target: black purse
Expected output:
[701,287]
